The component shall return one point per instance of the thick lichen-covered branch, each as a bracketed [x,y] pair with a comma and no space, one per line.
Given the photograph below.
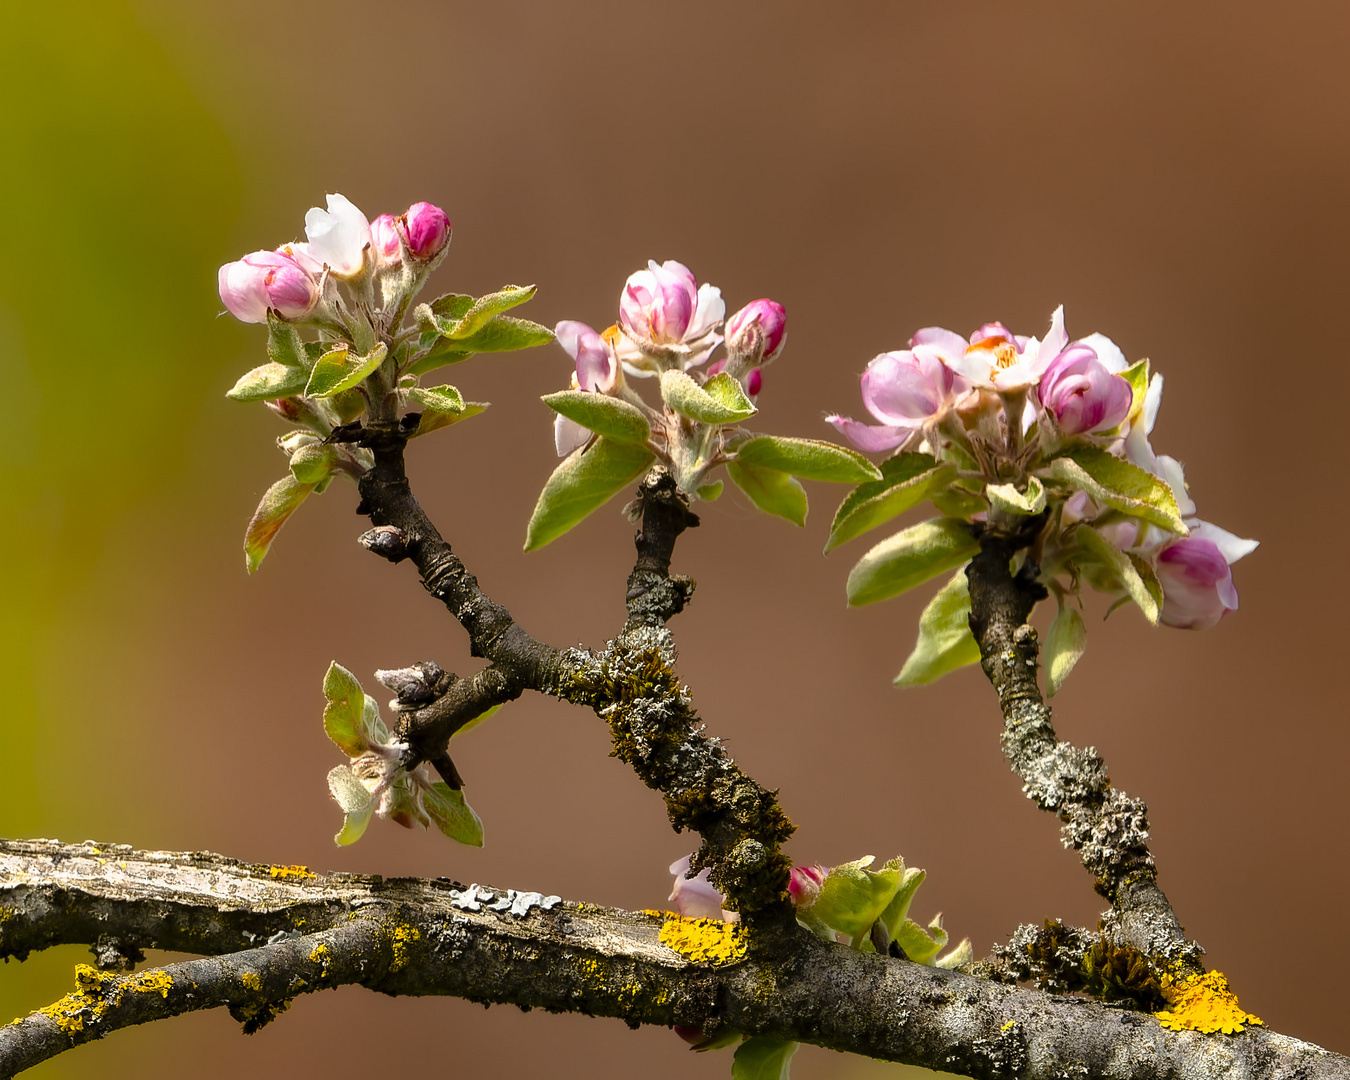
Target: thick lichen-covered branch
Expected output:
[1107,828]
[275,932]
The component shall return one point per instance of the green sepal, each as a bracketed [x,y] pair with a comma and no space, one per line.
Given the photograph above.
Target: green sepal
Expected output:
[810,459]
[314,464]
[452,815]
[1119,484]
[906,480]
[583,482]
[1007,498]
[852,897]
[1137,376]
[1065,643]
[721,406]
[357,805]
[611,417]
[945,642]
[268,382]
[278,503]
[434,419]
[457,326]
[1144,591]
[910,558]
[344,713]
[343,369]
[773,491]
[284,345]
[438,398]
[763,1058]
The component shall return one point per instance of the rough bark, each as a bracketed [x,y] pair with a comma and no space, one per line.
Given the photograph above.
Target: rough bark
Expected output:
[409,936]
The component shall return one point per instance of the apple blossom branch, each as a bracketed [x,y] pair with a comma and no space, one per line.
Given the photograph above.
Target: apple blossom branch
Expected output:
[419,937]
[1108,828]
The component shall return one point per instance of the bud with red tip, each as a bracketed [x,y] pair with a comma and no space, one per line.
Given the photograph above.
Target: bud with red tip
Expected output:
[428,230]
[756,334]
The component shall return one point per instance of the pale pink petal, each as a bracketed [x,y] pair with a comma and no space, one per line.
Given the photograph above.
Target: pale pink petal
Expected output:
[568,435]
[866,437]
[947,344]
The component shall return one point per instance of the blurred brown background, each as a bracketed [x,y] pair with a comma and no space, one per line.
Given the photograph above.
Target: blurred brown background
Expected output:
[1176,175]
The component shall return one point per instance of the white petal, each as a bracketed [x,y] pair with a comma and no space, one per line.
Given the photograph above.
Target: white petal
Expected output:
[1152,399]
[568,435]
[711,310]
[1231,547]
[1108,352]
[1057,338]
[1169,470]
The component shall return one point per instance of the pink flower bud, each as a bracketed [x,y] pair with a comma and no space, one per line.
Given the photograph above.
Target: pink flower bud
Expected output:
[804,884]
[753,383]
[266,279]
[428,230]
[1197,584]
[757,332]
[385,240]
[1081,394]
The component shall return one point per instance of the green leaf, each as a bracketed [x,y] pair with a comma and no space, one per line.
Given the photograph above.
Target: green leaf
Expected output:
[853,897]
[957,503]
[452,305]
[725,390]
[613,418]
[268,382]
[910,558]
[344,712]
[763,1058]
[313,464]
[1137,376]
[452,815]
[482,310]
[896,911]
[283,343]
[583,482]
[438,398]
[355,801]
[945,642]
[920,945]
[278,503]
[1147,594]
[1065,644]
[342,369]
[1007,498]
[811,459]
[773,491]
[440,355]
[687,398]
[906,480]
[710,492]
[475,721]
[1120,485]
[434,419]
[505,334]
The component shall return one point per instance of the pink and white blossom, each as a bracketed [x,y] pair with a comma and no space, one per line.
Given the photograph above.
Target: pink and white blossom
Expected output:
[904,390]
[1082,395]
[997,360]
[666,315]
[1197,583]
[339,236]
[597,371]
[263,280]
[428,230]
[695,897]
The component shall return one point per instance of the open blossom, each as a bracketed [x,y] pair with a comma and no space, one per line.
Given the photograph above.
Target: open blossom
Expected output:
[904,390]
[664,312]
[597,371]
[267,279]
[338,236]
[996,359]
[1082,394]
[1196,580]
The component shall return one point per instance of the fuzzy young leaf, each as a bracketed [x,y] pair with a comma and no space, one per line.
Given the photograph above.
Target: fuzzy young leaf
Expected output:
[853,897]
[773,491]
[452,815]
[1007,498]
[957,503]
[438,398]
[483,309]
[687,398]
[268,382]
[314,464]
[505,334]
[727,391]
[920,945]
[452,305]
[906,480]
[441,354]
[896,911]
[945,642]
[278,503]
[710,492]
[1147,594]
[344,714]
[910,558]
[811,459]
[356,803]
[342,369]
[284,345]
[583,482]
[434,419]
[763,1058]
[1065,644]
[613,418]
[1120,485]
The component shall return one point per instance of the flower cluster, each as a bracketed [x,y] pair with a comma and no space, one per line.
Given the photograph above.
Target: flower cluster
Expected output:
[999,428]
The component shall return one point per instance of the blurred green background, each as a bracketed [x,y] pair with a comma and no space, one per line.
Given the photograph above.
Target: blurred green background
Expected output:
[1176,176]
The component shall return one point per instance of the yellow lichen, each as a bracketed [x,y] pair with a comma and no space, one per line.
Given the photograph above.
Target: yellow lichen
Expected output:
[285,872]
[319,954]
[704,941]
[251,980]
[5,913]
[97,991]
[1203,1003]
[400,937]
[149,982]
